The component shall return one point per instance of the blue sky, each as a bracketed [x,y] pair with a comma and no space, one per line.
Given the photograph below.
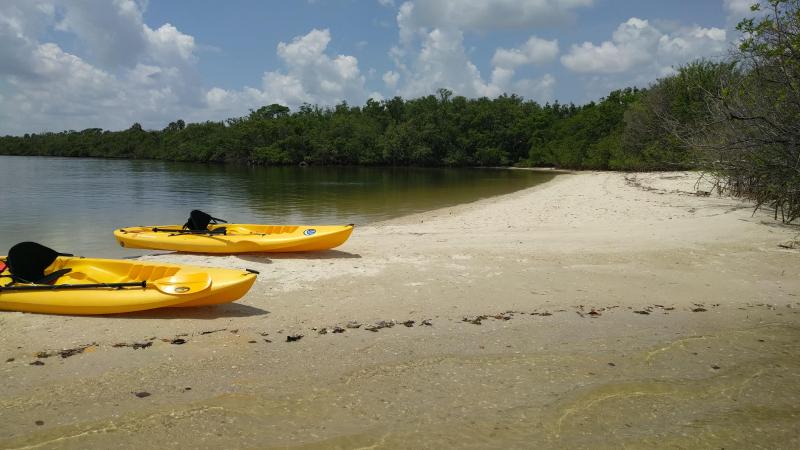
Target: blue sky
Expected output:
[108,63]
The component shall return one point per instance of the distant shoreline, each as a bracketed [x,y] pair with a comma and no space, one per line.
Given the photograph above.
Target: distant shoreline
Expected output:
[238,164]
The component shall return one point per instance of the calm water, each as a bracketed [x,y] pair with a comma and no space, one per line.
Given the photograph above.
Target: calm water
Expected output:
[73,205]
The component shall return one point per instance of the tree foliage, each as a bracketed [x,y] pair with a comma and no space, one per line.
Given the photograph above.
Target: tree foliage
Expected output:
[661,127]
[435,130]
[738,119]
[751,131]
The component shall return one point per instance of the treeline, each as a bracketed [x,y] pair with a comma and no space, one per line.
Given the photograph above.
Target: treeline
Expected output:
[436,130]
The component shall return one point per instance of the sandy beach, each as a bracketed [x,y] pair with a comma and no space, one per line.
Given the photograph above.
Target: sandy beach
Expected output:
[597,310]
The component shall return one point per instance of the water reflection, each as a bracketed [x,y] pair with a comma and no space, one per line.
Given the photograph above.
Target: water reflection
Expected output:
[73,204]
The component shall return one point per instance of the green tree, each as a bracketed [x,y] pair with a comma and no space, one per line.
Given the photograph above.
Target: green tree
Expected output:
[751,138]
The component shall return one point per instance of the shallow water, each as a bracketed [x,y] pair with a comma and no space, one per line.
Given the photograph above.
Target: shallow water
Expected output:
[665,394]
[73,205]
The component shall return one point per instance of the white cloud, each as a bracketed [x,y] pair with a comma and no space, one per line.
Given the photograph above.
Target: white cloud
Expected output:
[639,47]
[470,15]
[502,76]
[387,3]
[133,74]
[311,76]
[431,53]
[739,9]
[442,62]
[167,45]
[640,52]
[19,21]
[630,45]
[391,78]
[539,88]
[534,51]
[113,30]
[53,64]
[64,90]
[506,62]
[692,43]
[303,49]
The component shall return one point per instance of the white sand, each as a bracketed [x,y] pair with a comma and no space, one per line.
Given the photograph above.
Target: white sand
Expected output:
[608,242]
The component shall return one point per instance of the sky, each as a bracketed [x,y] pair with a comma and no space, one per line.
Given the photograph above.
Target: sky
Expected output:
[76,64]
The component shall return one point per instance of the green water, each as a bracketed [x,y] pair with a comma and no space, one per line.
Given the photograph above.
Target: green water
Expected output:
[73,205]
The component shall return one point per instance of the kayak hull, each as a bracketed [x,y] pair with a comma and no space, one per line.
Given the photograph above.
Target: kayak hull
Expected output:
[163,287]
[239,238]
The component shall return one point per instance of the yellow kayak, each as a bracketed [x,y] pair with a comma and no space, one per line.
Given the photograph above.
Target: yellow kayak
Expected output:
[235,238]
[134,286]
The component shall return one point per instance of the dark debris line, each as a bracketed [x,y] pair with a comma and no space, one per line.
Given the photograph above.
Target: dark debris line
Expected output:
[593,312]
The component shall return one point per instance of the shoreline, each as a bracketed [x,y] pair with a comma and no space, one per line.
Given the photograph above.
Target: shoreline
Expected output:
[547,308]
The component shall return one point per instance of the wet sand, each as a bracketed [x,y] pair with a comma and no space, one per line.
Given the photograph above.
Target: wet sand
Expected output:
[598,310]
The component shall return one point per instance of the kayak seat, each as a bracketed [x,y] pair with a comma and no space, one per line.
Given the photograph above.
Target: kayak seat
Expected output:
[27,261]
[198,221]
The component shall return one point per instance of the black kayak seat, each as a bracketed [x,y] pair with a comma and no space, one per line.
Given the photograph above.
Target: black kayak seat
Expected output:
[199,220]
[27,261]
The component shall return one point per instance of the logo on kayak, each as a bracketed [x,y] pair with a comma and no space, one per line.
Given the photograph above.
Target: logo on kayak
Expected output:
[310,232]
